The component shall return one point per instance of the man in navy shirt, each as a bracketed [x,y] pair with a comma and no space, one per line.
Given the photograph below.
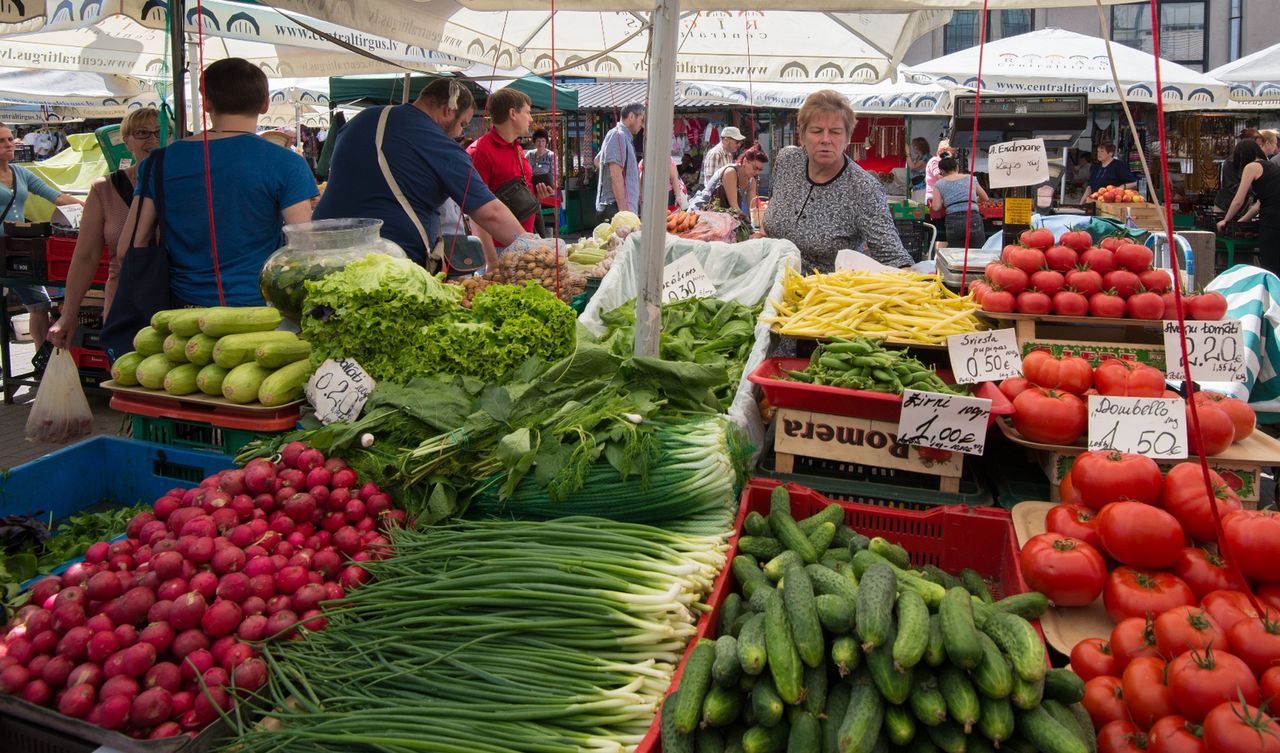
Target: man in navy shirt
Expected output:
[427,165]
[1109,171]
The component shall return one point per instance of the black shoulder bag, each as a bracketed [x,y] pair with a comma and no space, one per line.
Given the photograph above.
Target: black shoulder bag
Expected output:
[516,195]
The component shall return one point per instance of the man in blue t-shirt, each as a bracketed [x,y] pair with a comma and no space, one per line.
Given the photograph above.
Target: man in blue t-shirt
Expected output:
[619,188]
[257,187]
[426,166]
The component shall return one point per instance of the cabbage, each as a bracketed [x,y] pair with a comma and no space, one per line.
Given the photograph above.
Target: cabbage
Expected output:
[602,231]
[625,219]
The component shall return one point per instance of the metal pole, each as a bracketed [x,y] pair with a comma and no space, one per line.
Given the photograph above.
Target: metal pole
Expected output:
[1062,184]
[197,115]
[178,51]
[297,124]
[664,32]
[404,99]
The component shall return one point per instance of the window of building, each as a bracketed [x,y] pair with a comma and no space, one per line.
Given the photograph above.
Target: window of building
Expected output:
[1015,22]
[1183,30]
[961,32]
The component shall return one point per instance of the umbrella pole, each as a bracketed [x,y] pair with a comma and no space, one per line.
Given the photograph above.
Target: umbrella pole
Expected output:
[297,124]
[197,115]
[664,31]
[177,33]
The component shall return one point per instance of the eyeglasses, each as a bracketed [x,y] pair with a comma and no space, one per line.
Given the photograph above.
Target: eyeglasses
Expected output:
[142,135]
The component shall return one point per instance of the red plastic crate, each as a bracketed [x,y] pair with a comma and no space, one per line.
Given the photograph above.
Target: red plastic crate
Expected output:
[952,537]
[842,401]
[90,359]
[58,253]
[163,405]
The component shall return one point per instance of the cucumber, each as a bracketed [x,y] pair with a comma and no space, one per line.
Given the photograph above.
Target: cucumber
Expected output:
[844,534]
[992,676]
[995,720]
[148,342]
[760,598]
[846,654]
[1016,744]
[815,689]
[733,740]
[736,628]
[1043,731]
[1063,716]
[285,384]
[209,379]
[1026,695]
[1017,638]
[175,348]
[828,581]
[776,567]
[858,543]
[837,705]
[125,369]
[806,734]
[181,379]
[278,354]
[186,322]
[708,740]
[765,739]
[977,744]
[199,349]
[896,555]
[763,548]
[959,634]
[899,724]
[221,321]
[833,514]
[976,586]
[835,613]
[839,554]
[1029,605]
[922,744]
[160,319]
[960,695]
[862,719]
[748,574]
[913,630]
[907,579]
[822,536]
[730,611]
[947,736]
[926,700]
[241,385]
[151,371]
[874,616]
[233,350]
[725,670]
[672,740]
[766,704]
[802,614]
[756,524]
[935,574]
[786,528]
[1085,723]
[893,684]
[784,659]
[1064,686]
[695,680]
[721,706]
[935,652]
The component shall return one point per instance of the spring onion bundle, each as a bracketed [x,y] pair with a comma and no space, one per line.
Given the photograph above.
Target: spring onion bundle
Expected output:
[495,636]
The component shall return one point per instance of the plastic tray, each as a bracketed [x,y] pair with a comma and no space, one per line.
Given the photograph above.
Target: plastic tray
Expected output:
[788,393]
[58,253]
[203,409]
[90,359]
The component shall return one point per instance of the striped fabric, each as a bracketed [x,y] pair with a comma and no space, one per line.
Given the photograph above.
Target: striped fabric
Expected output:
[1253,297]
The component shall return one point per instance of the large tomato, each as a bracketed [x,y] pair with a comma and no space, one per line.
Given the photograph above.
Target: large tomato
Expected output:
[1068,495]
[1133,637]
[1121,736]
[1184,628]
[1100,260]
[1235,728]
[1005,277]
[1242,416]
[1032,301]
[1257,642]
[1134,257]
[1205,572]
[1128,379]
[1104,700]
[1207,306]
[1145,691]
[1076,240]
[1092,658]
[1174,734]
[1269,595]
[1076,521]
[1047,281]
[1061,258]
[1107,304]
[1027,259]
[1201,679]
[1251,537]
[1145,305]
[1070,303]
[1014,386]
[1271,684]
[1069,373]
[1040,238]
[1216,427]
[1101,477]
[1124,282]
[1136,593]
[1228,608]
[1086,282]
[1050,416]
[1068,571]
[1140,535]
[1156,280]
[999,301]
[1187,499]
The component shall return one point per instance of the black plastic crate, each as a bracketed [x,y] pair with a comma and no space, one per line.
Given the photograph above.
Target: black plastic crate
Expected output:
[917,237]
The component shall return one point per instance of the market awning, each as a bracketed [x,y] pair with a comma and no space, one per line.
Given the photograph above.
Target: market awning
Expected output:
[1253,80]
[610,95]
[893,97]
[391,89]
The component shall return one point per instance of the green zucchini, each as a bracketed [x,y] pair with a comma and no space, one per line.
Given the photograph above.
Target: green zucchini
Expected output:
[200,349]
[210,378]
[241,385]
[874,615]
[160,319]
[151,371]
[185,322]
[285,384]
[220,321]
[959,634]
[148,342]
[125,369]
[175,348]
[181,379]
[695,680]
[275,355]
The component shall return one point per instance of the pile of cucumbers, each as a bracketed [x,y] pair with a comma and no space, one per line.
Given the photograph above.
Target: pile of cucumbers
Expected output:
[225,351]
[832,643]
[864,364]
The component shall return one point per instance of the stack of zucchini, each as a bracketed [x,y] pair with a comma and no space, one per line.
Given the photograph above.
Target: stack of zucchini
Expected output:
[225,351]
[832,643]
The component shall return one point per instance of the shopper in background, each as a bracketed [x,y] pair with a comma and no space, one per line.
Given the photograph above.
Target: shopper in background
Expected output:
[406,179]
[917,161]
[1267,140]
[543,160]
[1260,178]
[953,196]
[931,167]
[1229,178]
[735,185]
[16,184]
[105,213]
[1109,171]
[721,154]
[619,188]
[501,163]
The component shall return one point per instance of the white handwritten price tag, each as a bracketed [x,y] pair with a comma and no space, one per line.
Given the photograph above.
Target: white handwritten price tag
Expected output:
[944,422]
[338,390]
[1151,426]
[985,356]
[1215,350]
[685,278]
[1017,163]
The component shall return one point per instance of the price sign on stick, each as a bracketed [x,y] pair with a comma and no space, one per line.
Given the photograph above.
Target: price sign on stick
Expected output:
[1151,426]
[1215,350]
[685,278]
[944,422]
[984,356]
[338,390]
[1017,163]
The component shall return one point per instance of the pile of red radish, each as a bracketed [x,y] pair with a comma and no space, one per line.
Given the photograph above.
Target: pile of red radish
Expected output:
[1075,278]
[151,635]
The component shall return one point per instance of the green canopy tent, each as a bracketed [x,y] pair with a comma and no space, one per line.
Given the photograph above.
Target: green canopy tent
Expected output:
[390,89]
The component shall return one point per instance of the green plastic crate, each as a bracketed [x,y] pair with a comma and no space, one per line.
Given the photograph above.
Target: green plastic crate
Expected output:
[194,435]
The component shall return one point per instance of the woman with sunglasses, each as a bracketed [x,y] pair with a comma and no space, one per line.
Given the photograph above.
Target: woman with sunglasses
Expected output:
[105,213]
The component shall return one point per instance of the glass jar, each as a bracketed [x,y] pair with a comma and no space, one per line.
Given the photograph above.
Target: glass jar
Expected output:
[313,250]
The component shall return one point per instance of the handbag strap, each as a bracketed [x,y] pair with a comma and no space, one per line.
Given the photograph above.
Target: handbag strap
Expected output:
[393,185]
[155,175]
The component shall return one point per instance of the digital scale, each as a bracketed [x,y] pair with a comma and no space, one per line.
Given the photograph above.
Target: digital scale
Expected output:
[950,262]
[1060,118]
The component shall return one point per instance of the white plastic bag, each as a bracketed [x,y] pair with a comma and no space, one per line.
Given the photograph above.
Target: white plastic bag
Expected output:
[60,413]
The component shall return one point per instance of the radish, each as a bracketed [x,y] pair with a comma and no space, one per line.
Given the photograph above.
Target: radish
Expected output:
[259,476]
[338,498]
[221,618]
[224,519]
[280,560]
[97,623]
[188,641]
[145,579]
[74,643]
[288,580]
[234,587]
[318,477]
[262,586]
[249,675]
[128,635]
[278,603]
[77,701]
[131,609]
[172,589]
[242,536]
[97,553]
[282,523]
[320,494]
[334,590]
[120,562]
[151,707]
[347,540]
[333,465]
[242,506]
[301,558]
[165,506]
[14,679]
[166,730]
[67,616]
[196,663]
[259,566]
[37,665]
[289,478]
[314,621]
[113,712]
[354,575]
[44,642]
[216,678]
[180,518]
[159,612]
[354,511]
[187,610]
[343,478]
[368,490]
[200,550]
[164,675]
[102,646]
[207,705]
[70,595]
[38,692]
[46,588]
[160,635]
[377,504]
[297,539]
[308,459]
[183,700]
[308,597]
[86,674]
[289,455]
[206,584]
[333,522]
[328,562]
[264,504]
[138,658]
[167,565]
[252,628]
[220,648]
[253,605]
[36,620]
[56,671]
[232,482]
[282,624]
[228,559]
[142,556]
[364,525]
[126,546]
[119,685]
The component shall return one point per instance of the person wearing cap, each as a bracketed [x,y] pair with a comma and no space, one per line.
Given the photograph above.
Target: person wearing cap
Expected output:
[721,154]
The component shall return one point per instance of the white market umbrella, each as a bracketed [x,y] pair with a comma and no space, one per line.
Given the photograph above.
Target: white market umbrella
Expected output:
[891,97]
[1253,80]
[1054,61]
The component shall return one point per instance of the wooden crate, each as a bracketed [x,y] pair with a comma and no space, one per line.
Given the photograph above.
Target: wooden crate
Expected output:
[1093,338]
[1145,216]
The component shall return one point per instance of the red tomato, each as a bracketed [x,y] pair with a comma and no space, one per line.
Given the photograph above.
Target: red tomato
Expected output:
[1084,281]
[1092,658]
[1156,280]
[1107,304]
[1228,608]
[1014,386]
[1184,628]
[1124,282]
[1145,305]
[1040,238]
[1215,425]
[999,301]
[1128,379]
[1112,242]
[979,290]
[1050,416]
[1101,477]
[1121,736]
[1027,259]
[1074,520]
[1235,728]
[1076,240]
[1131,638]
[1204,571]
[1269,596]
[1271,685]
[1207,306]
[1100,260]
[1145,691]
[1171,306]
[1005,277]
[1174,734]
[1068,302]
[1140,535]
[1104,700]
[1242,416]
[1061,258]
[1187,499]
[1067,495]
[1135,593]
[1068,571]
[1069,373]
[1134,257]
[1201,679]
[1047,281]
[1257,642]
[1034,302]
[1251,537]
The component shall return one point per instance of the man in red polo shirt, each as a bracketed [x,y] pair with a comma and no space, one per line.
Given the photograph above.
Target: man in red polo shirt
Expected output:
[498,156]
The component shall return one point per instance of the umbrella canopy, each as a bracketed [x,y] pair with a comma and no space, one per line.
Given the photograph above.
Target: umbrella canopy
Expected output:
[1253,80]
[1054,61]
[54,88]
[391,88]
[896,96]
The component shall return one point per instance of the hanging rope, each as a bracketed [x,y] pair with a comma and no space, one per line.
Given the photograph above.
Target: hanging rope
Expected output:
[208,165]
[977,106]
[555,133]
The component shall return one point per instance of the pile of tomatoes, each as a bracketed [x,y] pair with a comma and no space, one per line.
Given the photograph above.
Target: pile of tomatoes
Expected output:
[1050,399]
[1075,278]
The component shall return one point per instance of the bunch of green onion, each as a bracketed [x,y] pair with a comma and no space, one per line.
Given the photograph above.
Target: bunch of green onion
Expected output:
[494,636]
